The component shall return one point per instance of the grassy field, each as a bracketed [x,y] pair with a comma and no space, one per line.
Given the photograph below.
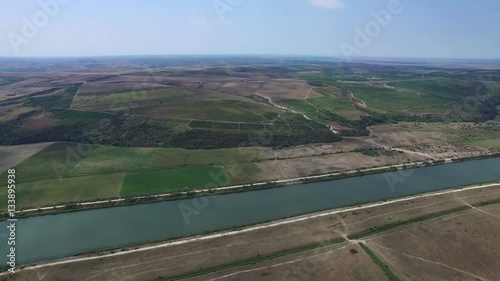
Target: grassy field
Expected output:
[67,159]
[388,90]
[252,127]
[55,160]
[59,98]
[171,180]
[65,172]
[391,100]
[489,141]
[329,103]
[112,159]
[442,88]
[79,115]
[299,105]
[52,192]
[178,103]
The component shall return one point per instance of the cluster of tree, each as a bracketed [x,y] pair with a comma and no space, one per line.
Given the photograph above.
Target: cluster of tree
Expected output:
[375,151]
[115,131]
[359,127]
[488,109]
[62,100]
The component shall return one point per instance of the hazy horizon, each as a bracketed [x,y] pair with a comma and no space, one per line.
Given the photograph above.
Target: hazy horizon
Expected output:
[346,29]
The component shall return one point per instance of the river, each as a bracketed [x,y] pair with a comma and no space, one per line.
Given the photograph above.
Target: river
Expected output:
[42,238]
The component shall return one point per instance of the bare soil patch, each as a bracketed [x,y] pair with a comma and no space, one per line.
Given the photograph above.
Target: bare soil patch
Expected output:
[464,246]
[330,263]
[13,155]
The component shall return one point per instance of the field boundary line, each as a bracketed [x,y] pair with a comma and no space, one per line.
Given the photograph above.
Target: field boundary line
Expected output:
[376,260]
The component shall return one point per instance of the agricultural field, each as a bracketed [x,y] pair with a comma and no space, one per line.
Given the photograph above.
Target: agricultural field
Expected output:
[13,155]
[172,180]
[251,122]
[50,174]
[210,103]
[390,100]
[177,103]
[63,191]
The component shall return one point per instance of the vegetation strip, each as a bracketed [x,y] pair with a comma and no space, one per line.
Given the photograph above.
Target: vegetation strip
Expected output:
[486,203]
[283,253]
[120,201]
[253,260]
[385,268]
[403,223]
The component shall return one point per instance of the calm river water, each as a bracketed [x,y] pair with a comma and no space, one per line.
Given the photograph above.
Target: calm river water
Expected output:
[63,235]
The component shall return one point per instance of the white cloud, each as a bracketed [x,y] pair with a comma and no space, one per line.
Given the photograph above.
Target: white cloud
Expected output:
[330,4]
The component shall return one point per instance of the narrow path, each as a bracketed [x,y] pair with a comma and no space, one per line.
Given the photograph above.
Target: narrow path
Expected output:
[432,262]
[76,94]
[279,264]
[357,101]
[475,208]
[308,92]
[278,165]
[282,107]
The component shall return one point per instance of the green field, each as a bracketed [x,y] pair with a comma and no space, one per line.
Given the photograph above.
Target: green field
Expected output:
[299,105]
[172,180]
[226,126]
[79,115]
[67,159]
[198,124]
[56,160]
[279,129]
[178,103]
[209,109]
[301,128]
[489,141]
[252,127]
[53,192]
[442,88]
[331,104]
[98,172]
[391,100]
[59,99]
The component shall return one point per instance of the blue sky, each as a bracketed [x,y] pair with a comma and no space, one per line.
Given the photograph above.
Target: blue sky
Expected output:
[423,28]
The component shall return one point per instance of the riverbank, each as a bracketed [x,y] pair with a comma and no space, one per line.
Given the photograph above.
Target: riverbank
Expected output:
[366,217]
[128,227]
[79,206]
